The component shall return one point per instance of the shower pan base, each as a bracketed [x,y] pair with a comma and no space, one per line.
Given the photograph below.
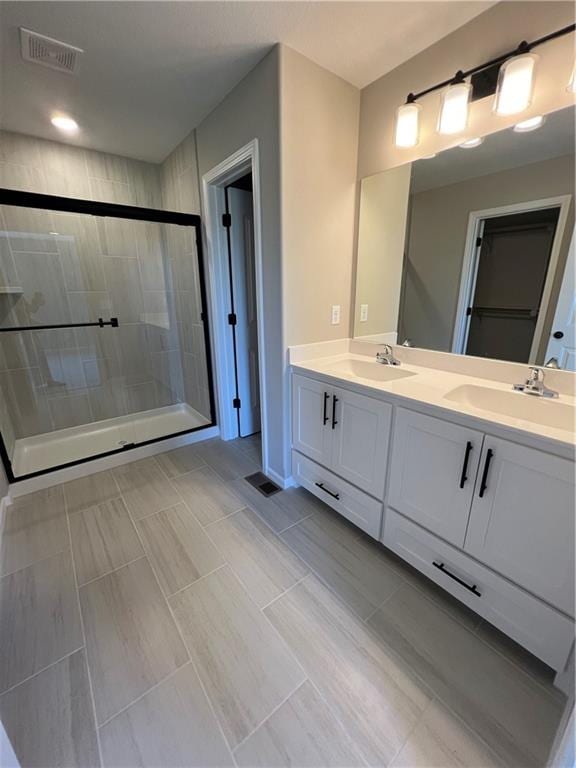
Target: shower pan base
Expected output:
[54,449]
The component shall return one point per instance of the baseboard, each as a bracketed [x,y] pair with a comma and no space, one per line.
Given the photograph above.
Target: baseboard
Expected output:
[283,482]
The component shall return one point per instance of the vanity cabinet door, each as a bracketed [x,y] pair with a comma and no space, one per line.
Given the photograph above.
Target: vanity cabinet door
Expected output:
[522,521]
[360,440]
[432,473]
[311,418]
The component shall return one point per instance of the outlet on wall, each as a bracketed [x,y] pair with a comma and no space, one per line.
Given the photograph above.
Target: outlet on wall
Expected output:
[363,313]
[335,314]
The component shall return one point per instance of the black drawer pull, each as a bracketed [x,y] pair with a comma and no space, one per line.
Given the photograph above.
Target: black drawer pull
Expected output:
[322,488]
[324,414]
[464,476]
[473,589]
[484,483]
[334,401]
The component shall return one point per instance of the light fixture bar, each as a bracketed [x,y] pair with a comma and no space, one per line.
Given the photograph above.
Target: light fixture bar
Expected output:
[524,47]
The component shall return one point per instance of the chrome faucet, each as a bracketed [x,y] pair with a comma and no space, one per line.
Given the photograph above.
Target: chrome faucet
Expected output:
[534,384]
[387,356]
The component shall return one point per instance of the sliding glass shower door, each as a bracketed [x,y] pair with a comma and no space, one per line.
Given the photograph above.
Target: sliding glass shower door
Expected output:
[103,334]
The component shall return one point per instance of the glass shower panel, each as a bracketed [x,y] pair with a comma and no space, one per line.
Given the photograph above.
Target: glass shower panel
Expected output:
[110,348]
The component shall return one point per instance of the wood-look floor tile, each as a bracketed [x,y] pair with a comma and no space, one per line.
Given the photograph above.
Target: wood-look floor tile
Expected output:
[299,503]
[442,740]
[40,621]
[180,460]
[90,491]
[34,528]
[276,516]
[131,639]
[263,563]
[375,696]
[145,488]
[103,539]
[353,568]
[172,725]
[245,667]
[178,548]
[226,458]
[302,732]
[504,706]
[49,718]
[209,498]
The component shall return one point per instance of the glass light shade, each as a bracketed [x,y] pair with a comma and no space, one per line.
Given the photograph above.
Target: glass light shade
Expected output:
[515,84]
[529,125]
[407,125]
[572,83]
[471,143]
[454,110]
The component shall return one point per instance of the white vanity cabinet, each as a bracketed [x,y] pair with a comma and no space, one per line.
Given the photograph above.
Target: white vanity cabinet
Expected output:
[345,432]
[432,474]
[522,519]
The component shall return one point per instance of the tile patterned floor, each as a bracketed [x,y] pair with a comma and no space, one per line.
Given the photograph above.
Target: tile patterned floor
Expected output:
[167,614]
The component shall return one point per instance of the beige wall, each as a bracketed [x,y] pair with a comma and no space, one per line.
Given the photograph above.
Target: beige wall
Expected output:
[319,129]
[381,237]
[437,238]
[251,111]
[497,30]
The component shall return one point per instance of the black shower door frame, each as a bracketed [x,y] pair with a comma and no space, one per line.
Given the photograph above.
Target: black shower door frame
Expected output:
[20,199]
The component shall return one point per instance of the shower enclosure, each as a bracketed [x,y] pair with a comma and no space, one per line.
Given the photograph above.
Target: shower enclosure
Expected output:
[104,340]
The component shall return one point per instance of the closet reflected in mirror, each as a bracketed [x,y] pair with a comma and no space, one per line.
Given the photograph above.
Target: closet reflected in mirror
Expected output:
[472,251]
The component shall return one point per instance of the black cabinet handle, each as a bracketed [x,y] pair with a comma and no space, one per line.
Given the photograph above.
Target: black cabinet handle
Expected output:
[484,484]
[473,588]
[558,335]
[324,414]
[463,475]
[334,401]
[322,488]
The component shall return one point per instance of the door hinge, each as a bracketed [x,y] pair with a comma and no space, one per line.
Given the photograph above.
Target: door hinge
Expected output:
[468,311]
[236,403]
[478,242]
[226,219]
[232,318]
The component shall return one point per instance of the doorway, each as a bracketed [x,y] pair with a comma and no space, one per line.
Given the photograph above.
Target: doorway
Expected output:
[510,262]
[243,314]
[231,203]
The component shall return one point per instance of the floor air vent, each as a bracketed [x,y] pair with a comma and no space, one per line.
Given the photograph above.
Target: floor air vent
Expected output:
[49,52]
[262,484]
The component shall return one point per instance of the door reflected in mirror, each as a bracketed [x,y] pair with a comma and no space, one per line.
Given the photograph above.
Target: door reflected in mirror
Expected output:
[471,251]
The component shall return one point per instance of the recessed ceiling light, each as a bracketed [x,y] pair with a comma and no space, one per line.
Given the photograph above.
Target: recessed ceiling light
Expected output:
[529,125]
[470,143]
[64,123]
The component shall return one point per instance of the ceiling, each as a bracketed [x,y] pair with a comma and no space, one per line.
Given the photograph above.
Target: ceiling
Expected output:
[152,71]
[500,151]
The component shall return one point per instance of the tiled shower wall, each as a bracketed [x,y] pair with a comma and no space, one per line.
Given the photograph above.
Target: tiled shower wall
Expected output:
[179,179]
[76,268]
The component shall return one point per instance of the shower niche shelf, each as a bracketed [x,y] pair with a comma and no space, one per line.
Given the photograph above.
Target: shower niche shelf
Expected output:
[10,289]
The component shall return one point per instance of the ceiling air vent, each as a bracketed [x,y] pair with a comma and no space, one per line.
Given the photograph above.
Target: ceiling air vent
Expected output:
[49,52]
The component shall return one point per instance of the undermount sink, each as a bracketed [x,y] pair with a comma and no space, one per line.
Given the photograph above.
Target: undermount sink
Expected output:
[517,405]
[365,369]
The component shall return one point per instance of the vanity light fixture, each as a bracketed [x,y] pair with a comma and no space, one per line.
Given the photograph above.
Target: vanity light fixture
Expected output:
[515,84]
[510,76]
[64,123]
[529,125]
[471,143]
[572,84]
[407,124]
[454,110]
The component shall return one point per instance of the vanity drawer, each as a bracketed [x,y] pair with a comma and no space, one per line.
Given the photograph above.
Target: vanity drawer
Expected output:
[355,505]
[534,624]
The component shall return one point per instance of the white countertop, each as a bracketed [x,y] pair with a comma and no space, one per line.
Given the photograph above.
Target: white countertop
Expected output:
[429,387]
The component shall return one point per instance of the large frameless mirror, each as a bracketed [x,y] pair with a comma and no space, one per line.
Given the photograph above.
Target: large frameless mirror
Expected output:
[471,251]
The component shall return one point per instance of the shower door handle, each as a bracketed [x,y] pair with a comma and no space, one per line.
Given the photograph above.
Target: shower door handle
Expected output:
[100,323]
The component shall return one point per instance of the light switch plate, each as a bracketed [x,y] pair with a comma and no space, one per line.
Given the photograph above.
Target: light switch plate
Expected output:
[335,314]
[363,313]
